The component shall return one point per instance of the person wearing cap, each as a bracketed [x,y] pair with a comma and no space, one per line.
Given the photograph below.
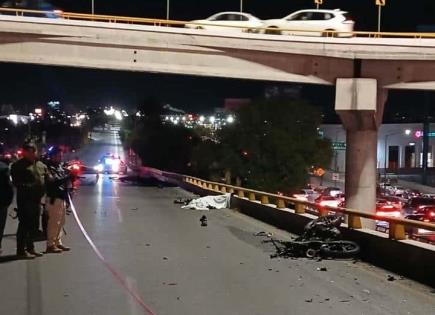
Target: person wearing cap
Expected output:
[57,182]
[6,193]
[28,176]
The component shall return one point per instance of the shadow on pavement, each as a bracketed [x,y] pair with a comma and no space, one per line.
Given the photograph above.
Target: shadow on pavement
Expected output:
[7,258]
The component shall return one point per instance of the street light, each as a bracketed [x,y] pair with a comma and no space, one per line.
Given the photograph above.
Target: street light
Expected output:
[241,6]
[407,132]
[167,9]
[92,7]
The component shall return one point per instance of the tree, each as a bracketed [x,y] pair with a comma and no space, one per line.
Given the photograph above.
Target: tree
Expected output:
[272,144]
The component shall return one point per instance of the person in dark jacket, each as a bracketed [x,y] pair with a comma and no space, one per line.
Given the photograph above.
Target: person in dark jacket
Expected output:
[6,193]
[57,195]
[28,175]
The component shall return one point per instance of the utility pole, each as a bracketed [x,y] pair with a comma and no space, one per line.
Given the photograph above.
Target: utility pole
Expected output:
[426,131]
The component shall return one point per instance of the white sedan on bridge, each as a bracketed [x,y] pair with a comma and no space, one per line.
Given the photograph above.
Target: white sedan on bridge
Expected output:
[228,21]
[312,23]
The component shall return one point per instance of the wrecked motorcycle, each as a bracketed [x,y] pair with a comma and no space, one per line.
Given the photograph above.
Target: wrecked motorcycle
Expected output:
[321,238]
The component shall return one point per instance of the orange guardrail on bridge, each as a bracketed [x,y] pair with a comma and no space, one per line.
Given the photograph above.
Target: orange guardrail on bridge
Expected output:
[396,225]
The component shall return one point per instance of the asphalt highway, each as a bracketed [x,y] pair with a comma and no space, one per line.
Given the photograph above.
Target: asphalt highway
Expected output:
[156,258]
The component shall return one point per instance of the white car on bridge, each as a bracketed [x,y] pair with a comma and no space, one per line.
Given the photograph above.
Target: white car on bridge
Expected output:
[312,23]
[228,21]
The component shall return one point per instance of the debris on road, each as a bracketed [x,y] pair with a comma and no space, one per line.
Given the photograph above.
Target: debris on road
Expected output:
[322,269]
[309,300]
[391,278]
[321,239]
[366,291]
[203,221]
[263,233]
[182,201]
[172,283]
[134,209]
[165,258]
[209,202]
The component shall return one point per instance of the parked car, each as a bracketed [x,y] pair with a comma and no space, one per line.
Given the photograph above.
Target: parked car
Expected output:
[397,202]
[385,208]
[328,201]
[50,11]
[414,204]
[312,23]
[425,214]
[228,21]
[332,191]
[306,195]
[397,191]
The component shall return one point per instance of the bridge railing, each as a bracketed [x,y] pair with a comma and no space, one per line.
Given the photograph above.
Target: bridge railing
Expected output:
[396,225]
[177,23]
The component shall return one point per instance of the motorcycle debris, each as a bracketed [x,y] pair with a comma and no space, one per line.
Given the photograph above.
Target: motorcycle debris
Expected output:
[322,269]
[309,300]
[391,278]
[203,221]
[263,233]
[366,291]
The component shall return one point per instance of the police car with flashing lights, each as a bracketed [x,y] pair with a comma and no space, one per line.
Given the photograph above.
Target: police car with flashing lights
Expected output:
[111,165]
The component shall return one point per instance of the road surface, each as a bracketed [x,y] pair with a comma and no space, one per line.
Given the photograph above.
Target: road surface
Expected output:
[157,250]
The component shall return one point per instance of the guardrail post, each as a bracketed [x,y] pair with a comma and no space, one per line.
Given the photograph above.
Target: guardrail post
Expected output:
[299,208]
[224,189]
[354,222]
[216,187]
[241,194]
[251,196]
[204,185]
[210,186]
[280,204]
[231,190]
[323,212]
[397,231]
[264,200]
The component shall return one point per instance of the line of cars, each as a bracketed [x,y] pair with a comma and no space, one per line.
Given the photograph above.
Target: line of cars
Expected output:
[310,22]
[392,202]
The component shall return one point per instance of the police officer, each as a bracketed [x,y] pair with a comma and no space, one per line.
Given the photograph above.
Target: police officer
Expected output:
[6,192]
[28,175]
[57,183]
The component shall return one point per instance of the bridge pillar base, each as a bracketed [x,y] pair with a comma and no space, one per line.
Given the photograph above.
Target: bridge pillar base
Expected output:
[360,104]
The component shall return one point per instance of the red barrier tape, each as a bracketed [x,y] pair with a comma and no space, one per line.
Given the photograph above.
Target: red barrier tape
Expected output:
[118,276]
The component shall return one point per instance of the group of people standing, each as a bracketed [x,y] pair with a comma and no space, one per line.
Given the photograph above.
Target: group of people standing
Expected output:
[36,183]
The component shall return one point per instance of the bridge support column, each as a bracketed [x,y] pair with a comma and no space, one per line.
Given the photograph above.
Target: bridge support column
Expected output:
[360,104]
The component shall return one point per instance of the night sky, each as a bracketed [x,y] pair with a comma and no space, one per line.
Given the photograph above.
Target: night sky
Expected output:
[95,87]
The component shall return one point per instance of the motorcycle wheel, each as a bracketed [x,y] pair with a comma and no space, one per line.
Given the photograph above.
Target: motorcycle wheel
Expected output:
[311,253]
[340,249]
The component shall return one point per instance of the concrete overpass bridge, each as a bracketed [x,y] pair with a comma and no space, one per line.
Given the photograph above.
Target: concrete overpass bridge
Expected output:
[361,68]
